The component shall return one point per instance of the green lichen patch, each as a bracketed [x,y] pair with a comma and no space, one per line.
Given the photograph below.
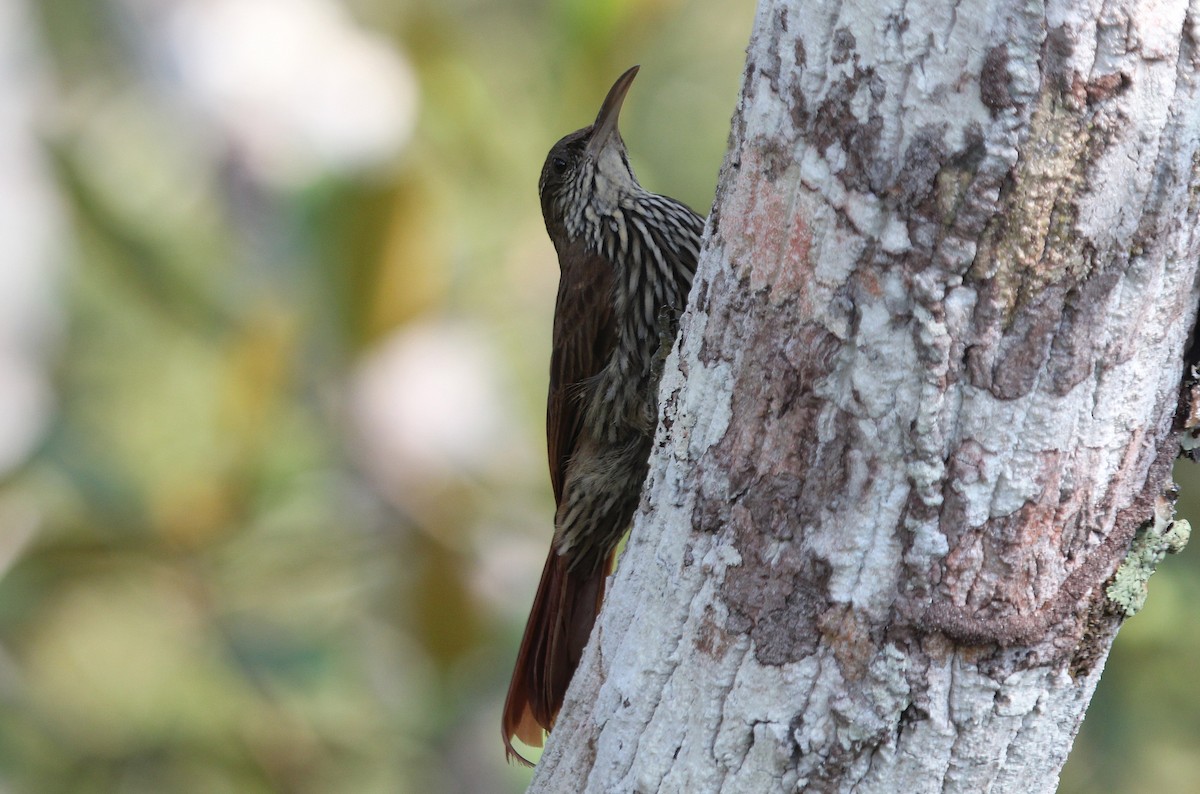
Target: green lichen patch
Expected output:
[1154,540]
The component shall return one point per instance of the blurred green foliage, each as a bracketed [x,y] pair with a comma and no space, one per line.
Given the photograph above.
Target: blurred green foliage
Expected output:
[215,584]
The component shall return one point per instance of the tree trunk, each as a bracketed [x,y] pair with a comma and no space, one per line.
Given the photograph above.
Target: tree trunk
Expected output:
[921,406]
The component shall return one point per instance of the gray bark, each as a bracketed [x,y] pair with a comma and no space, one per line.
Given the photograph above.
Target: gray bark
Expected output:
[921,407]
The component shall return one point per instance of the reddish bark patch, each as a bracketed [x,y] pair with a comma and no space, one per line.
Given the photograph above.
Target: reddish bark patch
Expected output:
[987,591]
[774,241]
[1107,86]
[848,633]
[712,638]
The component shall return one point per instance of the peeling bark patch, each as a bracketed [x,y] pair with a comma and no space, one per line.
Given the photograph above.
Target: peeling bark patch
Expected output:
[1074,352]
[776,159]
[773,68]
[778,612]
[843,45]
[1047,343]
[1056,52]
[1025,349]
[993,80]
[722,316]
[712,638]
[1028,544]
[848,633]
[774,474]
[922,162]
[700,303]
[1057,627]
[1107,86]
[834,121]
[798,110]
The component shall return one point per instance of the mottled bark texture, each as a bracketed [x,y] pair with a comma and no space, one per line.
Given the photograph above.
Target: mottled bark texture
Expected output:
[921,405]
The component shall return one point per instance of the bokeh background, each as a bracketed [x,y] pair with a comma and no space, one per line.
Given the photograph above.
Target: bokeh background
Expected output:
[275,300]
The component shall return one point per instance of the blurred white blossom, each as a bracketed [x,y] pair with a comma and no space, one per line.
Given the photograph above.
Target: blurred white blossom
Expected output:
[298,87]
[30,228]
[427,407]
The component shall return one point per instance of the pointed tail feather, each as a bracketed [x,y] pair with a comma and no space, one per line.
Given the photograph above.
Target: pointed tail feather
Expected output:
[560,621]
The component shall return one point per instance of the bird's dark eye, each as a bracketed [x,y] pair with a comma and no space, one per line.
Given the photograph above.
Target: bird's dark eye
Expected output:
[559,164]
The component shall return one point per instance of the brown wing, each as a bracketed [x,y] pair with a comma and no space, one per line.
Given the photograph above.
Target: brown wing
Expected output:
[584,335]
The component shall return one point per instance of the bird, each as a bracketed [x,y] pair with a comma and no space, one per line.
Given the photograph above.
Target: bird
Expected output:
[626,259]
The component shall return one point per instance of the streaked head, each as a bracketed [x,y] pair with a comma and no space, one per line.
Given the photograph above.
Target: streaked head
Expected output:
[587,172]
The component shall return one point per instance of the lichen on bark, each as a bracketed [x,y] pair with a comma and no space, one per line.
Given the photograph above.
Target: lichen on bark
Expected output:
[1155,539]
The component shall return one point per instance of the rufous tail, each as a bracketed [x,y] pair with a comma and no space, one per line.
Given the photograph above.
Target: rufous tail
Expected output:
[560,621]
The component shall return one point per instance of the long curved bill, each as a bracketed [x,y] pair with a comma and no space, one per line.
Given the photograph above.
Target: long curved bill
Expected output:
[606,120]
